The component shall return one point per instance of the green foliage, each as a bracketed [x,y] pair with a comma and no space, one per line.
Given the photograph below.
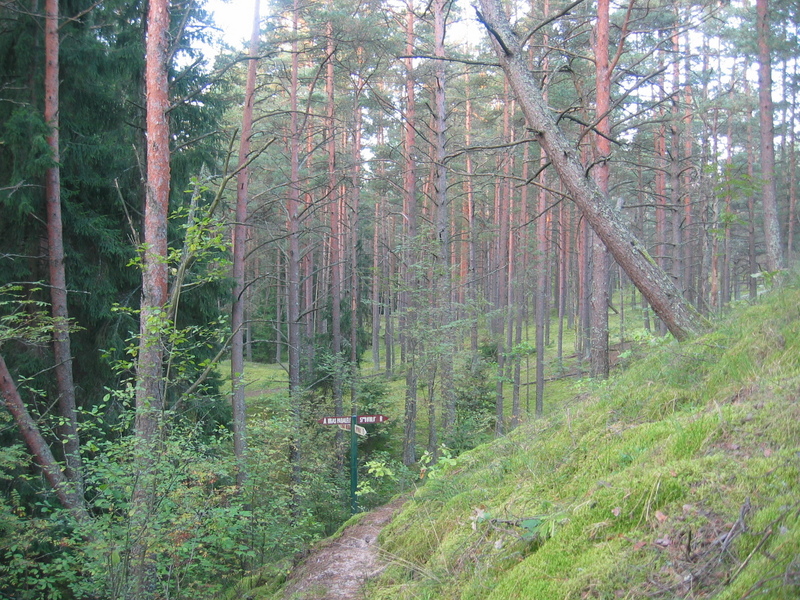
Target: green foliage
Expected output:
[205,532]
[474,393]
[380,480]
[430,466]
[23,318]
[24,136]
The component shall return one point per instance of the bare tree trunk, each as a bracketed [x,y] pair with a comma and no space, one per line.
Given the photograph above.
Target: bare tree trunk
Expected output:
[541,293]
[375,292]
[149,378]
[379,260]
[727,224]
[675,166]
[469,209]
[293,257]
[335,226]
[598,339]
[355,200]
[410,416]
[680,317]
[563,271]
[583,245]
[752,286]
[279,301]
[772,230]
[442,201]
[433,438]
[792,173]
[239,247]
[388,334]
[68,431]
[687,277]
[407,315]
[714,255]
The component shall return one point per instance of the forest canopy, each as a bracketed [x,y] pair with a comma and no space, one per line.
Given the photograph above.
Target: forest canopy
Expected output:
[433,211]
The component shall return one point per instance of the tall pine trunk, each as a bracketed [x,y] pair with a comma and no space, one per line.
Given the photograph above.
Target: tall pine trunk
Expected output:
[598,337]
[68,431]
[149,378]
[293,258]
[442,201]
[239,244]
[772,231]
[408,345]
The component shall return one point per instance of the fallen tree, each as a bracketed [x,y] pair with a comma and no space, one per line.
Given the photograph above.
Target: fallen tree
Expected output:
[680,317]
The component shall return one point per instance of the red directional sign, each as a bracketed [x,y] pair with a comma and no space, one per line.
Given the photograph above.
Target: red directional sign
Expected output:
[360,419]
[334,420]
[367,419]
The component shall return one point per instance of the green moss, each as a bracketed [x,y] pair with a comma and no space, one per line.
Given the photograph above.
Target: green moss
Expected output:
[626,489]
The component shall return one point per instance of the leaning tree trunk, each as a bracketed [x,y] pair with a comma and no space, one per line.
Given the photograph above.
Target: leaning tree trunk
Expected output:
[666,300]
[64,489]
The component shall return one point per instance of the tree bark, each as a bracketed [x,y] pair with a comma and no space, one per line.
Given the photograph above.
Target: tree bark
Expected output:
[792,217]
[540,310]
[772,231]
[407,314]
[68,431]
[150,388]
[598,337]
[687,276]
[469,218]
[335,225]
[293,256]
[681,318]
[442,201]
[239,243]
[149,376]
[355,201]
[375,289]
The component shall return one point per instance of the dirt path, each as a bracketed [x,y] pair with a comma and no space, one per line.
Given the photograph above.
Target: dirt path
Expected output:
[336,569]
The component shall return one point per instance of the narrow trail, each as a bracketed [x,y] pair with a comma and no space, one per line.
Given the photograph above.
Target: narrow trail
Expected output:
[337,569]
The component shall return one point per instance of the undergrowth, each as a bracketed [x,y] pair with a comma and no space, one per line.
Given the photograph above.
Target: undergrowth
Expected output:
[676,478]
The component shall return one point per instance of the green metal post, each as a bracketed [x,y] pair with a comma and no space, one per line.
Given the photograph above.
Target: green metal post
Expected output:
[353,465]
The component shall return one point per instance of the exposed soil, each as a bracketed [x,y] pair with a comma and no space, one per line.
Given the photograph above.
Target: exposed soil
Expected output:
[337,569]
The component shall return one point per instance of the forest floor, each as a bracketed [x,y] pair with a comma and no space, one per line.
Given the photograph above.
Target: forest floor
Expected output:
[337,568]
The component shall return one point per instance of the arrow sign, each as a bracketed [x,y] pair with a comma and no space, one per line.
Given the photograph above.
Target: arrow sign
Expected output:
[360,419]
[368,419]
[334,421]
[359,429]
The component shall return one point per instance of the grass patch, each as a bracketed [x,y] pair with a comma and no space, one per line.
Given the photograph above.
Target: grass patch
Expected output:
[677,478]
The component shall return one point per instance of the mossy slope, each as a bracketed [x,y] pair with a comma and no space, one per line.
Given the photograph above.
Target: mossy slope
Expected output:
[677,478]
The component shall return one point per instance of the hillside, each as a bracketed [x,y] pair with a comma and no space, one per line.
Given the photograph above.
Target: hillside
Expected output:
[677,478]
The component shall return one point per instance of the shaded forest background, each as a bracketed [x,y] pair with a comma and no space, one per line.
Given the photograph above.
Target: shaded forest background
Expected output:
[385,219]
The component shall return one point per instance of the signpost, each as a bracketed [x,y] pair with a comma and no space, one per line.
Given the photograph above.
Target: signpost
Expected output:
[352,423]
